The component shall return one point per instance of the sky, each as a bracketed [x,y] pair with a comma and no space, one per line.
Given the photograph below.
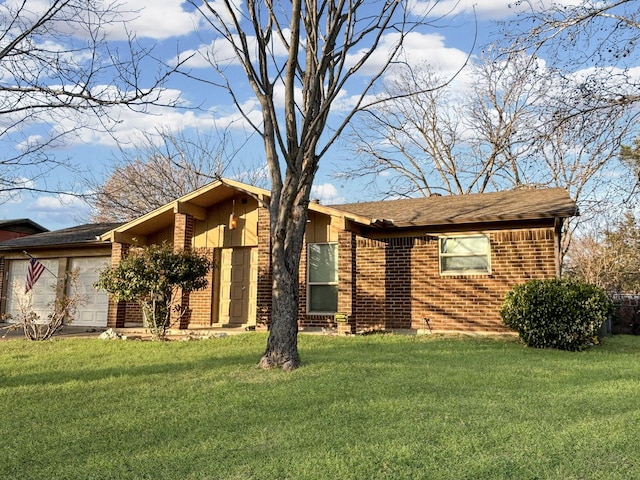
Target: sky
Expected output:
[174,28]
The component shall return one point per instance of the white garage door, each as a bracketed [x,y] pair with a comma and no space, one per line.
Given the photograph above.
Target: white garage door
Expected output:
[41,295]
[94,312]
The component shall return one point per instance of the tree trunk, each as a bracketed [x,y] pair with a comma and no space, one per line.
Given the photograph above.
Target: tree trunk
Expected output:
[288,222]
[282,345]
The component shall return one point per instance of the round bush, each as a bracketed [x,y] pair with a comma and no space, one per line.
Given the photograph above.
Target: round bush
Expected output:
[556,313]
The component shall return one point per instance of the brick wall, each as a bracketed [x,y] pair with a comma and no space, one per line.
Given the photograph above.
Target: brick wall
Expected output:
[399,284]
[391,283]
[201,301]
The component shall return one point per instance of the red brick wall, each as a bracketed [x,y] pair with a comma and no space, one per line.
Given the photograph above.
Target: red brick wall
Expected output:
[391,283]
[395,283]
[201,301]
[384,281]
[399,284]
[346,273]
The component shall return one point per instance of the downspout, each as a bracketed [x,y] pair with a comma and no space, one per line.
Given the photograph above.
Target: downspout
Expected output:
[558,244]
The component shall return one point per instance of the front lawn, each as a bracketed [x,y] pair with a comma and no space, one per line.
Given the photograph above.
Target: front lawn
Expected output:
[370,407]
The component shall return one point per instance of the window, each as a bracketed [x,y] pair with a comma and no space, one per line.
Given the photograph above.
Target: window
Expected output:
[322,278]
[465,254]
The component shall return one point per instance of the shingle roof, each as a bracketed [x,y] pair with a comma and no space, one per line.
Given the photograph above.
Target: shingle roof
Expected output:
[22,222]
[67,236]
[526,204]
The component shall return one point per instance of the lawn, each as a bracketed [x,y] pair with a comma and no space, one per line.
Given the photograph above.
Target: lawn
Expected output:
[369,407]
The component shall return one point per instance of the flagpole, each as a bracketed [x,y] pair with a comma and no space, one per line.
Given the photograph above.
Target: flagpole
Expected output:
[45,267]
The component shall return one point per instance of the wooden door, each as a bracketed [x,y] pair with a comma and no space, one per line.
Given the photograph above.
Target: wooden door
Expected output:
[238,286]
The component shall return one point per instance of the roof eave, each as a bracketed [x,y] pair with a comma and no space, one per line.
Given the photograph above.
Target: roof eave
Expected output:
[492,219]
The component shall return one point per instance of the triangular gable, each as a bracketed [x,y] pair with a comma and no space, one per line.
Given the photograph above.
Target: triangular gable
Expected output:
[196,203]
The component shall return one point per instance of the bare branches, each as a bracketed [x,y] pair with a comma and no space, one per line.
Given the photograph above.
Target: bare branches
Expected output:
[165,166]
[593,44]
[56,67]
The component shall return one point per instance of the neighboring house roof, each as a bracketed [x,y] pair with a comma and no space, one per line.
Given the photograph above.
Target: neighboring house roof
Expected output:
[529,204]
[21,222]
[82,234]
[18,227]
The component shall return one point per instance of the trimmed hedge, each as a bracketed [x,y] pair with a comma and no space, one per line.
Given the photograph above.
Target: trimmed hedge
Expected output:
[556,313]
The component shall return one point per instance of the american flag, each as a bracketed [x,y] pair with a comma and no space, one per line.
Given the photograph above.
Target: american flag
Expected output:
[34,271]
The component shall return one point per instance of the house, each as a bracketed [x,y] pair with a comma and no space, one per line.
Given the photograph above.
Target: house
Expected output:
[437,263]
[19,227]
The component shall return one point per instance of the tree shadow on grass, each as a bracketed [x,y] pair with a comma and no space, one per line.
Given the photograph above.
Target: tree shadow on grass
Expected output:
[164,367]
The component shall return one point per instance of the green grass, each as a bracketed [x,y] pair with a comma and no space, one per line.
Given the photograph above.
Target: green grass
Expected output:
[371,407]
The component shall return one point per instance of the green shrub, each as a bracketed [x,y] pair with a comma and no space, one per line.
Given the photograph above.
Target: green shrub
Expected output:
[556,313]
[155,277]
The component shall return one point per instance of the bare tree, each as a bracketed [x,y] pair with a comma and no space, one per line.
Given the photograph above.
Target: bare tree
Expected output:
[630,156]
[414,139]
[56,67]
[610,260]
[163,166]
[454,140]
[299,58]
[598,38]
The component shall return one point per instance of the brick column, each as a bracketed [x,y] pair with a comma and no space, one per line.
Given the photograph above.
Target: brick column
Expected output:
[346,279]
[263,307]
[117,310]
[183,228]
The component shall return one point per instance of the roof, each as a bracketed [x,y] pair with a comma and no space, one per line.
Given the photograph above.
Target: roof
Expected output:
[529,204]
[196,203]
[82,234]
[20,224]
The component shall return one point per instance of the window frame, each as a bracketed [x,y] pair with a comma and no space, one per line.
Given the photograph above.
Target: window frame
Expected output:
[311,284]
[485,254]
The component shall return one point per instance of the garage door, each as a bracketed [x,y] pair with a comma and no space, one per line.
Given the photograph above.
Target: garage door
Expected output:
[94,312]
[41,295]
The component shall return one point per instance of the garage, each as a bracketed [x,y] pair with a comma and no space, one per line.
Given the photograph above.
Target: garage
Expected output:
[94,312]
[75,248]
[38,299]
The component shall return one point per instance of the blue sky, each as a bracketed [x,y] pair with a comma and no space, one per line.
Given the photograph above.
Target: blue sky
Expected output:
[173,27]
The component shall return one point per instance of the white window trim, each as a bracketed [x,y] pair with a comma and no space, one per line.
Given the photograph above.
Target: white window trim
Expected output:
[310,283]
[477,254]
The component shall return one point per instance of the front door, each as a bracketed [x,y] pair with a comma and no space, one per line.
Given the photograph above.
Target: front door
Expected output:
[238,286]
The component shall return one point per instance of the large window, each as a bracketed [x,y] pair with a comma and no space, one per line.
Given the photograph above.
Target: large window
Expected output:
[322,278]
[465,255]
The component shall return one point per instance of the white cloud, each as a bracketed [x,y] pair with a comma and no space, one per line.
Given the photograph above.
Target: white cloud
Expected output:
[417,48]
[125,124]
[220,51]
[485,10]
[327,194]
[57,211]
[156,20]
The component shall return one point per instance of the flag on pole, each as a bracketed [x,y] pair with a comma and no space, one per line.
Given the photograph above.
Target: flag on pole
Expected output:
[34,270]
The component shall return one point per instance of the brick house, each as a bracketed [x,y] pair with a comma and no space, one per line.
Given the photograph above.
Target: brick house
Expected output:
[438,263]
